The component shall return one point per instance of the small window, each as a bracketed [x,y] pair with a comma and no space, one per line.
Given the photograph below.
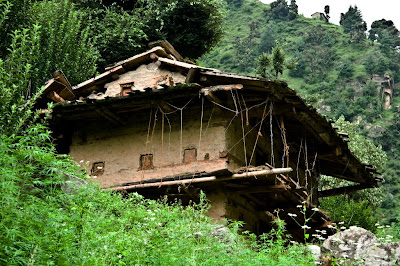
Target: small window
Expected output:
[97,169]
[126,87]
[146,162]
[126,91]
[190,155]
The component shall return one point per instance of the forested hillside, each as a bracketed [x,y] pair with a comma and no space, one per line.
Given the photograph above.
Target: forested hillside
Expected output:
[331,66]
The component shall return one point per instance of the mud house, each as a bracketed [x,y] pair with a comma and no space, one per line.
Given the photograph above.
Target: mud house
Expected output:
[320,16]
[158,125]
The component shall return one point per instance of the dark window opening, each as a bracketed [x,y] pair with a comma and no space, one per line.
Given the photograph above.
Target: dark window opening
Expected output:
[146,162]
[97,169]
[190,155]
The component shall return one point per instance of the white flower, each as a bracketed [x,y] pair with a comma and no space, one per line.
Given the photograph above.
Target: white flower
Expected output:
[330,226]
[152,218]
[389,236]
[292,215]
[315,209]
[323,232]
[343,228]
[299,206]
[305,227]
[94,176]
[387,226]
[377,224]
[81,161]
[341,222]
[99,167]
[380,227]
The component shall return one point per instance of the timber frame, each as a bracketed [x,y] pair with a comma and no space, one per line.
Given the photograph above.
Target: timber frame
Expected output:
[268,110]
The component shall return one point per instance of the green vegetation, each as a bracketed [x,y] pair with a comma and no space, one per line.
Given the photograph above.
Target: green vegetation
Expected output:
[334,69]
[47,218]
[89,35]
[48,215]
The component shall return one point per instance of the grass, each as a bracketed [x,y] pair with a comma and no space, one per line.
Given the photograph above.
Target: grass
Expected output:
[42,224]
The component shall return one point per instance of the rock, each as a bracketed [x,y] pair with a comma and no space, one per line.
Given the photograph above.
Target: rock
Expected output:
[223,234]
[377,129]
[315,251]
[72,183]
[357,245]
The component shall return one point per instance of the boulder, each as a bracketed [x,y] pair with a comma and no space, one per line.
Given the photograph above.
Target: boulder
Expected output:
[72,183]
[357,245]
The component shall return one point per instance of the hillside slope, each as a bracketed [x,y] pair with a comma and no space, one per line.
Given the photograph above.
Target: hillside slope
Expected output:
[333,72]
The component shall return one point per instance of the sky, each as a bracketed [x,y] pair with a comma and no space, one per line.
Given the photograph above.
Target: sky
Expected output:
[370,10]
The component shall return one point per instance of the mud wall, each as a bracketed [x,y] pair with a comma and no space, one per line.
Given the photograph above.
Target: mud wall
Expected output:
[120,148]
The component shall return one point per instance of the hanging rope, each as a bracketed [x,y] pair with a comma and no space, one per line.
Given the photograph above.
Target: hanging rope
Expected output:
[283,141]
[148,130]
[154,127]
[201,122]
[243,133]
[271,134]
[298,162]
[259,131]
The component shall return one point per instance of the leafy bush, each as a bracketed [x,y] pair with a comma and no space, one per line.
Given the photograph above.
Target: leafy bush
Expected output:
[192,27]
[65,42]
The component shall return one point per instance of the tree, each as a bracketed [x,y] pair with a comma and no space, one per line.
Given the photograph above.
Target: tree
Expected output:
[63,33]
[317,52]
[264,63]
[357,208]
[279,10]
[118,34]
[276,62]
[293,9]
[352,23]
[18,14]
[384,32]
[327,10]
[268,38]
[192,27]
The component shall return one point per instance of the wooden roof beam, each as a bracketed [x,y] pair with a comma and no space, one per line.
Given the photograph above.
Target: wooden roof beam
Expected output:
[265,189]
[342,190]
[110,116]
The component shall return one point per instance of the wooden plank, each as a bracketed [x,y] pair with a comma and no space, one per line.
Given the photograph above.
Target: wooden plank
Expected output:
[229,87]
[192,75]
[55,97]
[342,190]
[265,189]
[273,171]
[206,179]
[167,183]
[139,59]
[168,48]
[100,79]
